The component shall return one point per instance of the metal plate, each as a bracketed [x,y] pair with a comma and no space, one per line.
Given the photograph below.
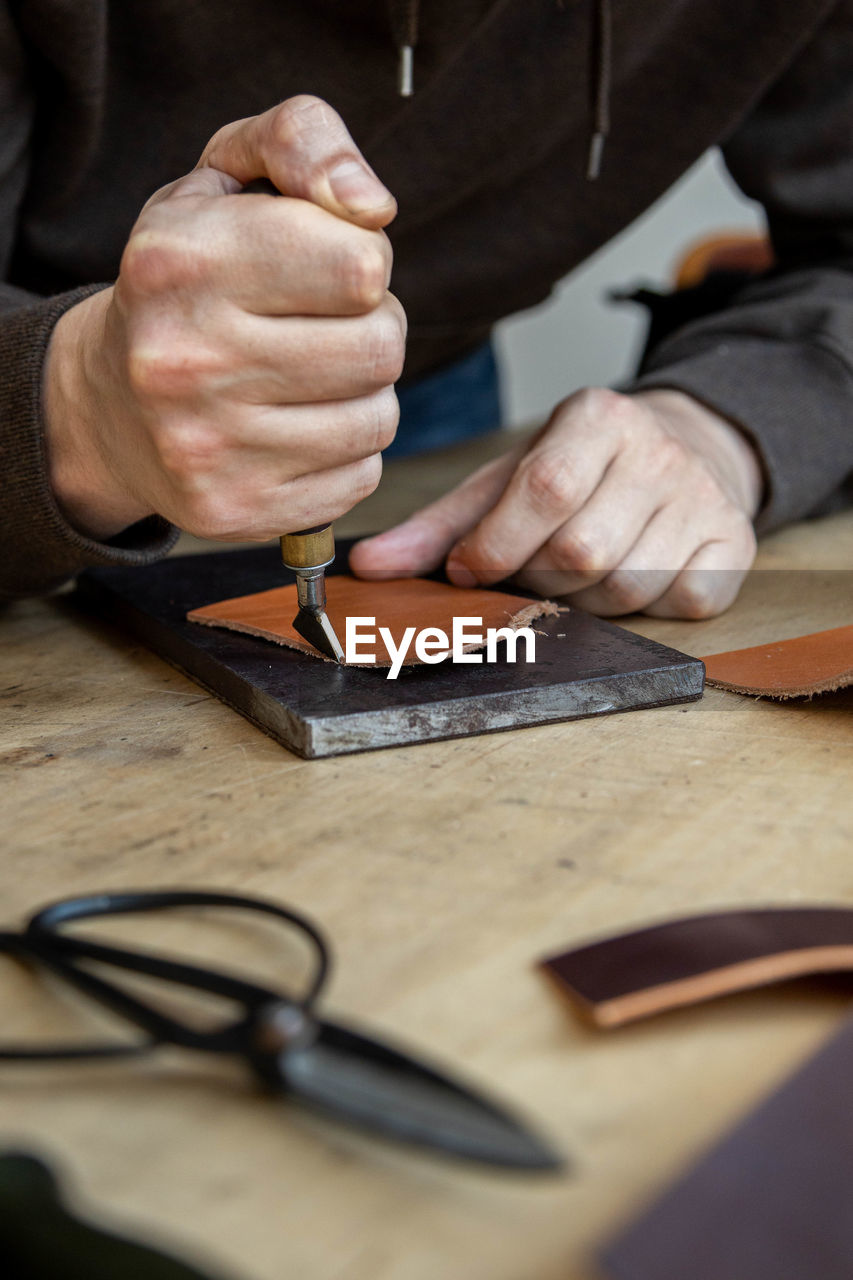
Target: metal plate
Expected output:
[584,666]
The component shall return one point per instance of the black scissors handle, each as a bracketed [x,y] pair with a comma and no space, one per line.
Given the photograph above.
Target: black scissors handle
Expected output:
[45,942]
[49,922]
[17,945]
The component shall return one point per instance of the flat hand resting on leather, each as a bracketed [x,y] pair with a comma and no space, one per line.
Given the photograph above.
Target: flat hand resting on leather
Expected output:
[621,503]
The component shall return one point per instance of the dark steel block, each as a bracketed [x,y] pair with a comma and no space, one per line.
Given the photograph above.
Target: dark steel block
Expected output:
[584,666]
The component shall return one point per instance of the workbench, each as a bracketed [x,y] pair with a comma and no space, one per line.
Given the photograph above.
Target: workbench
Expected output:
[442,873]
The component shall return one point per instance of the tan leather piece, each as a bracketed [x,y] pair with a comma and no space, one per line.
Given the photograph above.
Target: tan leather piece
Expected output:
[635,975]
[817,663]
[398,604]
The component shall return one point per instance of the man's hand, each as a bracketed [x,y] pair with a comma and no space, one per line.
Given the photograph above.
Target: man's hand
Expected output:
[622,503]
[238,378]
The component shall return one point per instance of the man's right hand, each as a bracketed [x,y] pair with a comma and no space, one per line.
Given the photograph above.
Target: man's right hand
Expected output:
[238,377]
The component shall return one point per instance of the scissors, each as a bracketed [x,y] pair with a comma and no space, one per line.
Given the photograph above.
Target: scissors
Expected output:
[290,1050]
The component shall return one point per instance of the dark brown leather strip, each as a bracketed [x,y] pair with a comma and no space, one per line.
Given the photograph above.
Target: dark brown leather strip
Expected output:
[817,663]
[771,1202]
[685,961]
[402,603]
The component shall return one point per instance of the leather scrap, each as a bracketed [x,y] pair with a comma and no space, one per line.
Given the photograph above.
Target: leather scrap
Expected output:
[818,663]
[686,961]
[771,1201]
[395,604]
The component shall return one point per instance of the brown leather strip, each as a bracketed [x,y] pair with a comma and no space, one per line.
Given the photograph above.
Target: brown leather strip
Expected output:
[817,663]
[771,1202]
[686,961]
[402,603]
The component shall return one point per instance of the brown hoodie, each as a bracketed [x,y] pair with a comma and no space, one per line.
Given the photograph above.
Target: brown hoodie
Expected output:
[102,103]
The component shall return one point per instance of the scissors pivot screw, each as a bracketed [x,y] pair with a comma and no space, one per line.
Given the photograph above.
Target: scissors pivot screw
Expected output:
[284,1026]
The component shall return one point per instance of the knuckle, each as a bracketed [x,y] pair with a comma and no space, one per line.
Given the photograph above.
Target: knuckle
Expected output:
[395,309]
[147,373]
[384,350]
[549,482]
[366,275]
[598,404]
[578,549]
[288,122]
[625,591]
[704,485]
[157,370]
[366,477]
[146,263]
[189,453]
[156,261]
[696,598]
[670,454]
[596,400]
[384,419]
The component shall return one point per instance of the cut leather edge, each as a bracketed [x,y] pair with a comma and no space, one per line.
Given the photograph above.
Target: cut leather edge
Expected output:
[746,975]
[843,681]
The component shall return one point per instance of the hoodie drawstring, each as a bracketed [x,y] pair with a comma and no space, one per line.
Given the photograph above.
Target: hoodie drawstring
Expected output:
[404,26]
[404,15]
[601,81]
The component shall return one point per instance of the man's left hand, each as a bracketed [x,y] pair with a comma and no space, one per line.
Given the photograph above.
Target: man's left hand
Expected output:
[622,503]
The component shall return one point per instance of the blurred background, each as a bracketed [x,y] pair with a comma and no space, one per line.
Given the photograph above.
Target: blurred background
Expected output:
[578,338]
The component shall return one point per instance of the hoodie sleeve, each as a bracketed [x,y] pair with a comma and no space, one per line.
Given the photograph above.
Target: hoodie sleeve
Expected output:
[38,548]
[778,361]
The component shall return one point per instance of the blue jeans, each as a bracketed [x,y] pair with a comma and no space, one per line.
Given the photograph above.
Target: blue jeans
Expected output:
[455,403]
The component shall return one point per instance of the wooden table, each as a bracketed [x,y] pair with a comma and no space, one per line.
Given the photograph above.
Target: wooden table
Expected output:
[442,872]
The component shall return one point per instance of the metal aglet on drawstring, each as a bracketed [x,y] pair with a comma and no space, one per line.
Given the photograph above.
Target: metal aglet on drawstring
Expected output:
[594,156]
[404,15]
[405,76]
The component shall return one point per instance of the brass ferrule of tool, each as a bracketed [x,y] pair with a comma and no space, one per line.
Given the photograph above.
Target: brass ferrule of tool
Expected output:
[309,549]
[309,553]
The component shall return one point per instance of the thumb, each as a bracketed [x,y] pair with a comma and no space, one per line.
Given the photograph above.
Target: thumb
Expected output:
[420,544]
[304,148]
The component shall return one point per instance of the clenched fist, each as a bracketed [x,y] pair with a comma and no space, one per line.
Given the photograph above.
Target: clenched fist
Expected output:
[621,503]
[238,377]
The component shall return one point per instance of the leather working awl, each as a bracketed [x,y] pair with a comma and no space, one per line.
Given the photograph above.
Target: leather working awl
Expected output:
[309,553]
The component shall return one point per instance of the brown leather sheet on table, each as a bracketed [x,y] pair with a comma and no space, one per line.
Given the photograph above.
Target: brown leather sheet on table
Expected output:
[685,961]
[772,1201]
[818,663]
[398,604]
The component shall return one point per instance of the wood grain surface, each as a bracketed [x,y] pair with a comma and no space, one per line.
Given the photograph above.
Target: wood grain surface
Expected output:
[443,872]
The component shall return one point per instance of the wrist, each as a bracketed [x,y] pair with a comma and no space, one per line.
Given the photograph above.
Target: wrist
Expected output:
[85,489]
[720,441]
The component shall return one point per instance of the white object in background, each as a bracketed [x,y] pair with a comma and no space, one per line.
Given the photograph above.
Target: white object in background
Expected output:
[577,338]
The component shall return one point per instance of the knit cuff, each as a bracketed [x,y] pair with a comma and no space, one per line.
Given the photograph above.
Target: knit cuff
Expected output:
[40,549]
[792,400]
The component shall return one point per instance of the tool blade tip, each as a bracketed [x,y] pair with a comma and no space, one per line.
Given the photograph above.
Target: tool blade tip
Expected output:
[317,629]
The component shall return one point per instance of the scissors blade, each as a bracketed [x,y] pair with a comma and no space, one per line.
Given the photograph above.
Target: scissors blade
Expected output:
[377,1087]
